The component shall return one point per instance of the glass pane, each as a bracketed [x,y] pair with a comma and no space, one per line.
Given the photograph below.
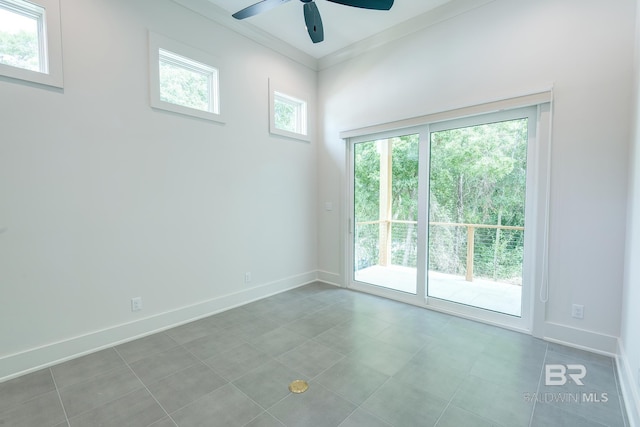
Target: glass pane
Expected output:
[476,215]
[186,87]
[285,115]
[290,114]
[386,212]
[19,41]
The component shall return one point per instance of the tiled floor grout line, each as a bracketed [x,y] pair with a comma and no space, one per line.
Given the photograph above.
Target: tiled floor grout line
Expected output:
[201,397]
[451,401]
[265,410]
[390,377]
[146,388]
[55,384]
[84,381]
[445,409]
[360,408]
[254,418]
[344,356]
[374,392]
[227,383]
[105,403]
[619,391]
[351,413]
[453,396]
[537,393]
[32,398]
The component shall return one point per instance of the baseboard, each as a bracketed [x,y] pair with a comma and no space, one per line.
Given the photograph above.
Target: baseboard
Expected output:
[31,360]
[594,342]
[330,278]
[554,332]
[628,386]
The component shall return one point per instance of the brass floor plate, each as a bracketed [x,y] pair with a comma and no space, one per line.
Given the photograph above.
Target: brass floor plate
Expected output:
[298,386]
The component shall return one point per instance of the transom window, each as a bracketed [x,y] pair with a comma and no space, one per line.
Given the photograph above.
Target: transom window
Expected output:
[183,79]
[288,115]
[22,37]
[30,41]
[189,83]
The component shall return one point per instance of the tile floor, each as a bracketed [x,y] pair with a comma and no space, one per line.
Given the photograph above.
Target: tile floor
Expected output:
[369,362]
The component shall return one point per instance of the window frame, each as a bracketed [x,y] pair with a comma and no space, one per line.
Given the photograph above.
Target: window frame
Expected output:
[194,60]
[49,43]
[278,92]
[535,269]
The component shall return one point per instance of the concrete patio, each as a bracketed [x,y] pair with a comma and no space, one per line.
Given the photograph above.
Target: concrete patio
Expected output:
[482,293]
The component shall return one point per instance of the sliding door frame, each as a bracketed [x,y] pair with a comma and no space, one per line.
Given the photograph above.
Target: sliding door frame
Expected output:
[523,321]
[536,107]
[415,299]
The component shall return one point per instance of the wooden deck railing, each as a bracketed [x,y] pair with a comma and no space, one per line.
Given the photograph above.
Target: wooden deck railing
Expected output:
[385,236]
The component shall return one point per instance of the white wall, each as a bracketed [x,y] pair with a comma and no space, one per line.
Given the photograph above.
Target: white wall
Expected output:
[505,49]
[629,361]
[105,199]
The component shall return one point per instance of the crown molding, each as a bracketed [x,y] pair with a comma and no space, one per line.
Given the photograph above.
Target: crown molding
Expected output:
[440,14]
[222,17]
[413,25]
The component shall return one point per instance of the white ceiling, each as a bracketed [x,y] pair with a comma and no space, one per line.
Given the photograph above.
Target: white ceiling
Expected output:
[343,25]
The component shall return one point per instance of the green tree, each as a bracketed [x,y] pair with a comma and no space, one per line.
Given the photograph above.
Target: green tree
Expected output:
[366,200]
[285,115]
[404,199]
[184,87]
[478,176]
[20,49]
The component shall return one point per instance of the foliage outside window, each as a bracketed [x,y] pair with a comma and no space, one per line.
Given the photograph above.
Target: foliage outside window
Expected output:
[404,200]
[478,176]
[183,79]
[187,83]
[30,42]
[288,113]
[21,36]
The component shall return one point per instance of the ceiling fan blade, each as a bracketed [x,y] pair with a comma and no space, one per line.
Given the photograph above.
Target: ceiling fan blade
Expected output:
[257,8]
[313,21]
[366,4]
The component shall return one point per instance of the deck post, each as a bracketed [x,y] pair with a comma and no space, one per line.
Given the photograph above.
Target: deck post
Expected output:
[386,174]
[470,243]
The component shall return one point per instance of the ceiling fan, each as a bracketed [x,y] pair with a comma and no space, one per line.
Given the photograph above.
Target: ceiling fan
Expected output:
[311,14]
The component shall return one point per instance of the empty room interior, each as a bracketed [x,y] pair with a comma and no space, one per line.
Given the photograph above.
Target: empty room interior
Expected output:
[427,212]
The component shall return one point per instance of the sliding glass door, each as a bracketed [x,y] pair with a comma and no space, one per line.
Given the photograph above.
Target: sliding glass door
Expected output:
[477,195]
[440,214]
[385,201]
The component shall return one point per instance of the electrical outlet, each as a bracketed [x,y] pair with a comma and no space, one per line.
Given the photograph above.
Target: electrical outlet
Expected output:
[247,277]
[136,304]
[577,311]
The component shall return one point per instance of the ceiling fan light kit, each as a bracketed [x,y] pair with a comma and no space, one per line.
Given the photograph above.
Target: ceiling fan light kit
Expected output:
[312,17]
